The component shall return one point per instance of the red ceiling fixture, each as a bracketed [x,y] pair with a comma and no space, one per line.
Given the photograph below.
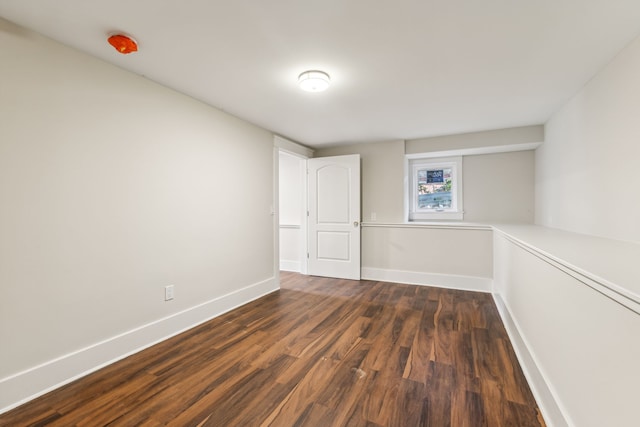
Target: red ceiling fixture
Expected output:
[123,44]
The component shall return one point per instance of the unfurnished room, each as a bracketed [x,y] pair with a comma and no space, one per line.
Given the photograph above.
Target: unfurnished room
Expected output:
[348,213]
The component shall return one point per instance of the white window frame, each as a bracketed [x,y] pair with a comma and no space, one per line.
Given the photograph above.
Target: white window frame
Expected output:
[415,162]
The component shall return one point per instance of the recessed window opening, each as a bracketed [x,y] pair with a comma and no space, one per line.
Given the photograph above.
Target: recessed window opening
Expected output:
[434,189]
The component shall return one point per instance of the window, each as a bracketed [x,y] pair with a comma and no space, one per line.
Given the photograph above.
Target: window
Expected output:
[434,188]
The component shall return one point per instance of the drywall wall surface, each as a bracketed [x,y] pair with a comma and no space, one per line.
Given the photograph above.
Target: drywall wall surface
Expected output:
[585,344]
[290,194]
[382,178]
[587,169]
[113,187]
[290,249]
[291,214]
[491,138]
[457,252]
[499,187]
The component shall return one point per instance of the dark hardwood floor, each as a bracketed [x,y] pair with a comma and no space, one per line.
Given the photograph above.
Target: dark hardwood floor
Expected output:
[319,352]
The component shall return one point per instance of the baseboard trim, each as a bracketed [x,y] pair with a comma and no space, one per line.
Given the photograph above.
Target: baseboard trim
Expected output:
[34,382]
[286,265]
[449,281]
[548,404]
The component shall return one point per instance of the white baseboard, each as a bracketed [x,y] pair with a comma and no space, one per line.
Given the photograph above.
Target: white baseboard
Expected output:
[31,383]
[551,412]
[450,281]
[286,265]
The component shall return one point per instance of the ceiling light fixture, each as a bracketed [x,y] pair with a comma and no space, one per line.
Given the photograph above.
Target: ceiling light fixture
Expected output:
[314,81]
[123,44]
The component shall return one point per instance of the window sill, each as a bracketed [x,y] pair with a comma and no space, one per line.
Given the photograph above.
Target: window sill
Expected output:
[455,225]
[448,216]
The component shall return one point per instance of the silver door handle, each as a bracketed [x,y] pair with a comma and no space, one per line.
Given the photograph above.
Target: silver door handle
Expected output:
[356,223]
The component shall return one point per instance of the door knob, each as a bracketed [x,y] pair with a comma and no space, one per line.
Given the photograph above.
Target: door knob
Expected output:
[356,223]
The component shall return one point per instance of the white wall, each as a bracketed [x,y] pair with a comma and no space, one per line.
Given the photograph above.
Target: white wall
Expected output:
[290,189]
[577,339]
[523,135]
[497,188]
[291,205]
[452,257]
[382,177]
[111,188]
[567,313]
[587,170]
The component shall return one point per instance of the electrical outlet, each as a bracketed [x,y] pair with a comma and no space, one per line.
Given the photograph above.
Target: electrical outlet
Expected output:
[168,292]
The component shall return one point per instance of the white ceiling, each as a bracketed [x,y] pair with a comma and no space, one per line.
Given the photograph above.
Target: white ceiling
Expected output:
[400,69]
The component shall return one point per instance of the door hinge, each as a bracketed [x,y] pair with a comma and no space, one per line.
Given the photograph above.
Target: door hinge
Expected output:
[307,213]
[307,255]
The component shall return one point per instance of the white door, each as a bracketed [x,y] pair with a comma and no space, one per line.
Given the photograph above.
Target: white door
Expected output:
[334,216]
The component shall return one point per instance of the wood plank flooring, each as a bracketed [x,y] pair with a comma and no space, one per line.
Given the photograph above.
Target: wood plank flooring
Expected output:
[319,352]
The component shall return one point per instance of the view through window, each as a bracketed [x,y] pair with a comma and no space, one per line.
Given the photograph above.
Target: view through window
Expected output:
[434,188]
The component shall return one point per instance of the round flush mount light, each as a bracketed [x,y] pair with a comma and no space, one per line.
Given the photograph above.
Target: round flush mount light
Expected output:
[123,44]
[314,81]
